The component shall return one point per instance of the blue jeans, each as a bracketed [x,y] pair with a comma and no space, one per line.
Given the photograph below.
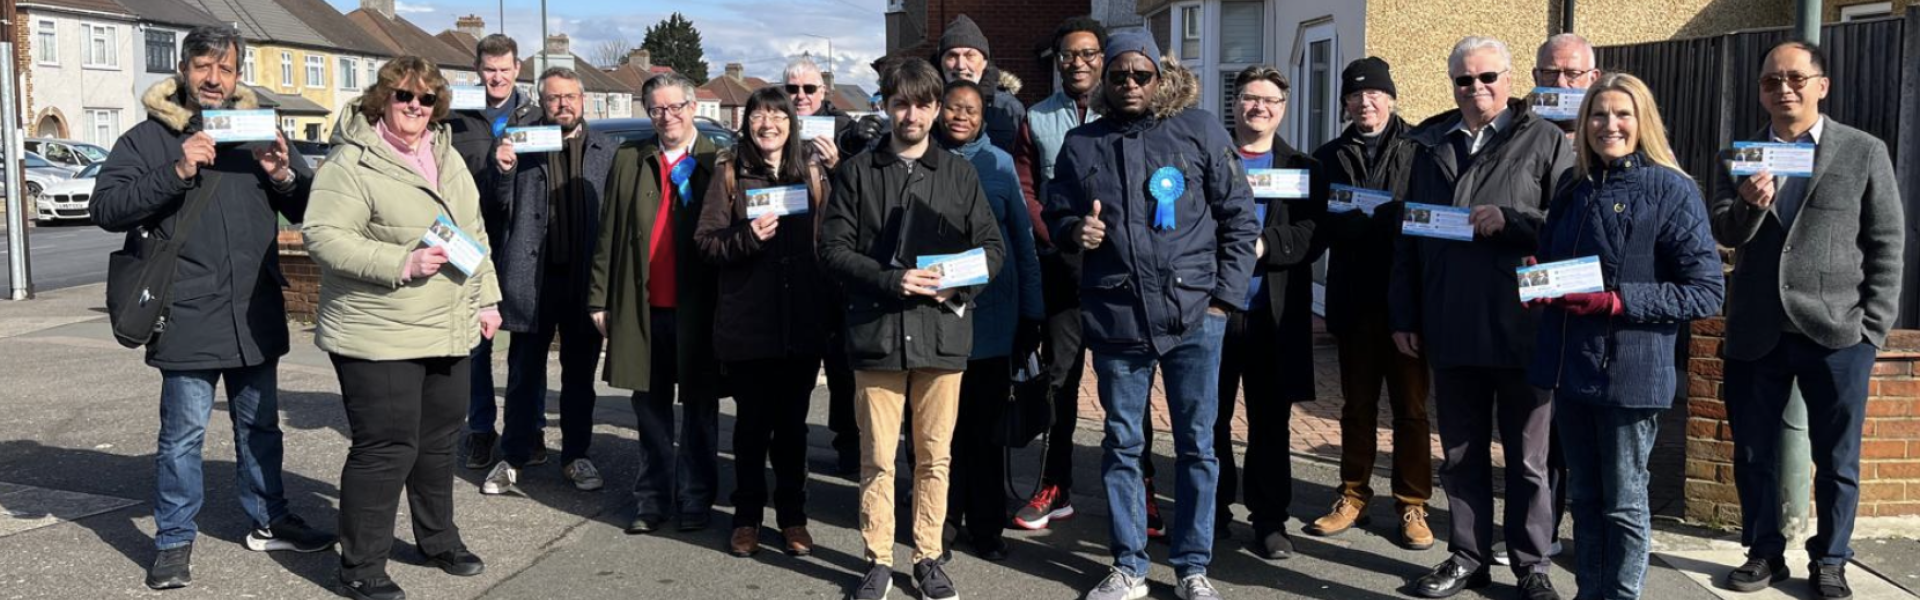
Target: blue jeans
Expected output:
[186,404]
[1191,371]
[1607,495]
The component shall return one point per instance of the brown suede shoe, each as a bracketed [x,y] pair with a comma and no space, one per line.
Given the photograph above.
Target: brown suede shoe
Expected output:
[745,542]
[1346,514]
[1414,533]
[798,541]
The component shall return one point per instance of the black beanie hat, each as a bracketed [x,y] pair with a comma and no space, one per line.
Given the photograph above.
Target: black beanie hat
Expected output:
[964,33]
[1368,73]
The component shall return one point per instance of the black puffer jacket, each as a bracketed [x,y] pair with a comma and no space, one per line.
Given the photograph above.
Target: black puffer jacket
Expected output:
[473,138]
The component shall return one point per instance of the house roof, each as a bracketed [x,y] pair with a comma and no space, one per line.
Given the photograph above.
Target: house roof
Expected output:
[460,40]
[291,104]
[596,80]
[634,77]
[400,36]
[734,92]
[272,21]
[97,6]
[171,12]
[850,97]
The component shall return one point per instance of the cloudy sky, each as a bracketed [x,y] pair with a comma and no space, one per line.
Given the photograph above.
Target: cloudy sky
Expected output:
[760,34]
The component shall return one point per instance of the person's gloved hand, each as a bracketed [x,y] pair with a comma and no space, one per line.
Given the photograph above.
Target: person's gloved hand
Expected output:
[1592,304]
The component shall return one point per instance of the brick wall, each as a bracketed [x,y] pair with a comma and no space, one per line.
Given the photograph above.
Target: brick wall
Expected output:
[1014,29]
[1890,449]
[303,277]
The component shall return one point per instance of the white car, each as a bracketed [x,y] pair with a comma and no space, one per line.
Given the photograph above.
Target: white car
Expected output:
[67,199]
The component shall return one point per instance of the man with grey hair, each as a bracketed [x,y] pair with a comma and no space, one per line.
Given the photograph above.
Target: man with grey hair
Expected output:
[552,205]
[653,298]
[1565,61]
[1458,304]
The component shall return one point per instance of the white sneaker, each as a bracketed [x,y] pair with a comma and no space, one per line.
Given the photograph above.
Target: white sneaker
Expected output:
[1119,586]
[1196,587]
[500,479]
[1500,556]
[583,475]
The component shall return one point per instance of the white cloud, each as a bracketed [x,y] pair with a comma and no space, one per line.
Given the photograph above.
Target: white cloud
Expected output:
[409,8]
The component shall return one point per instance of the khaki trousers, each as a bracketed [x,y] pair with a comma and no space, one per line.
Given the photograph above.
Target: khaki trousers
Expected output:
[881,399]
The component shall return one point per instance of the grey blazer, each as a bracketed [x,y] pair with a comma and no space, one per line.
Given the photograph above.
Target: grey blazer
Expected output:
[1836,274]
[523,196]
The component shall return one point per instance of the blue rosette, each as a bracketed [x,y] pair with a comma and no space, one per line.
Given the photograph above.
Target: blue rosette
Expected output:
[682,176]
[1167,185]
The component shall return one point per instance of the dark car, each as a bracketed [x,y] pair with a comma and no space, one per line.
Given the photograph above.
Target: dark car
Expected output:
[627,131]
[315,152]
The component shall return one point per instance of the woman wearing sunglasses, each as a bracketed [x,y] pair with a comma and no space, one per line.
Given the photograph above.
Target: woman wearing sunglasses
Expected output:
[1607,356]
[397,319]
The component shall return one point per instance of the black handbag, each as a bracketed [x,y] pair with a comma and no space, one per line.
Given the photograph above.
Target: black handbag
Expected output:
[1029,412]
[140,276]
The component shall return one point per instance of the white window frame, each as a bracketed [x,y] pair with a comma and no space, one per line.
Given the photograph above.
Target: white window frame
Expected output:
[1216,90]
[1869,10]
[106,40]
[107,117]
[289,127]
[349,73]
[47,37]
[1189,23]
[248,73]
[286,69]
[316,71]
[1299,102]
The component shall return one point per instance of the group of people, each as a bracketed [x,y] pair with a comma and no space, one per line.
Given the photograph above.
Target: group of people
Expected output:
[1114,218]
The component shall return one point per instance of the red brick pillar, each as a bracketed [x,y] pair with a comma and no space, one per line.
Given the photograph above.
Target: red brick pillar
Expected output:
[303,277]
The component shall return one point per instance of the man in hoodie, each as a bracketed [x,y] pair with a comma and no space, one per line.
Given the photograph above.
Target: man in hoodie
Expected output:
[1458,304]
[1160,206]
[227,320]
[475,134]
[964,55]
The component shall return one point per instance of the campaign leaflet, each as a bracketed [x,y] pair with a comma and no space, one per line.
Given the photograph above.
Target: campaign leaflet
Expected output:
[1557,104]
[1346,198]
[1288,184]
[534,139]
[1436,221]
[1781,160]
[1557,279]
[239,125]
[785,200]
[469,97]
[463,252]
[813,127]
[957,270]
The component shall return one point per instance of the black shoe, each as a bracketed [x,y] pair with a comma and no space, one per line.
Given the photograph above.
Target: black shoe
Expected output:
[932,580]
[697,522]
[1536,586]
[875,586]
[458,561]
[995,550]
[172,569]
[1758,573]
[1448,578]
[539,455]
[289,533]
[645,524]
[1274,546]
[480,449]
[1829,581]
[378,587]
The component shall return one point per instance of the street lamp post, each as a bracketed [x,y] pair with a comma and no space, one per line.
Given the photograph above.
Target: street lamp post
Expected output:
[829,50]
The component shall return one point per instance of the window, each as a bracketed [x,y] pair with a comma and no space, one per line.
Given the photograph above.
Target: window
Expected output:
[288,126]
[103,43]
[1316,85]
[246,70]
[1868,10]
[1320,77]
[1241,39]
[160,51]
[286,69]
[46,43]
[104,123]
[316,71]
[349,73]
[600,105]
[1190,32]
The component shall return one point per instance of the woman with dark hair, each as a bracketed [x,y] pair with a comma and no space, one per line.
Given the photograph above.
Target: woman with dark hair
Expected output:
[397,320]
[768,328]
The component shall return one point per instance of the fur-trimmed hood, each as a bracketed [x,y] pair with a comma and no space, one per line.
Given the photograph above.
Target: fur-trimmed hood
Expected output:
[1007,82]
[1179,91]
[165,105]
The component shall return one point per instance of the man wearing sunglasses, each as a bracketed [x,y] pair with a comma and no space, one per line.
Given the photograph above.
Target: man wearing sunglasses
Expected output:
[1457,303]
[1155,198]
[1816,284]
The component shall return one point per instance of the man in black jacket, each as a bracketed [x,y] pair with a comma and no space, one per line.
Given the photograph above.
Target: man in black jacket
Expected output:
[889,208]
[964,54]
[226,319]
[1458,304]
[475,133]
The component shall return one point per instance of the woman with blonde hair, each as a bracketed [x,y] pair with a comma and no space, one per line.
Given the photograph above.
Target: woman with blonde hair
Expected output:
[397,319]
[1607,356]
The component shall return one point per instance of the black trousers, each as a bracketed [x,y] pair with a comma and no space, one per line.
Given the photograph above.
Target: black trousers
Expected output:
[979,470]
[690,476]
[527,374]
[772,396]
[1468,402]
[402,416]
[1066,359]
[1248,360]
[840,389]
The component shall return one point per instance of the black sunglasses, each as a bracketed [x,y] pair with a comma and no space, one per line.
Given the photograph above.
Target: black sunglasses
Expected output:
[795,90]
[1487,78]
[1139,78]
[405,96]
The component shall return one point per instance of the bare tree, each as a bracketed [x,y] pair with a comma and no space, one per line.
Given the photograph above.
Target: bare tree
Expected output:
[608,53]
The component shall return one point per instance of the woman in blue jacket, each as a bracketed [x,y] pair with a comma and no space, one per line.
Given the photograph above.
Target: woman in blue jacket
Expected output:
[1608,356]
[1006,327]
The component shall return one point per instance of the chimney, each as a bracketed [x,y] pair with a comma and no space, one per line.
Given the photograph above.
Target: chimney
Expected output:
[384,7]
[827,78]
[559,51]
[471,25]
[734,71]
[640,58]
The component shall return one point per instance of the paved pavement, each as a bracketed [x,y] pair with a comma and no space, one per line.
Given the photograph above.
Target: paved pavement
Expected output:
[76,477]
[63,255]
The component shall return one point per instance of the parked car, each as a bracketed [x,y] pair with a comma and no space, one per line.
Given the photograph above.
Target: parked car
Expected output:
[40,174]
[66,153]
[67,199]
[627,131]
[314,152]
